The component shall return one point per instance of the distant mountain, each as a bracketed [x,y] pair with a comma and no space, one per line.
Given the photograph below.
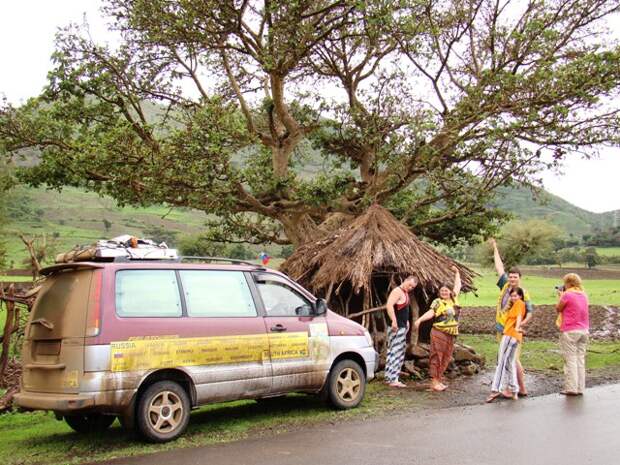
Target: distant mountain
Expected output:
[574,220]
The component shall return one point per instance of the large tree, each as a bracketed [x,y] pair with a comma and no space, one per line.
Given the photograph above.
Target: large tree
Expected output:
[426,107]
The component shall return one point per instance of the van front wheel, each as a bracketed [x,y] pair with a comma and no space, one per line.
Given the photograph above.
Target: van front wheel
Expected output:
[90,423]
[163,411]
[346,384]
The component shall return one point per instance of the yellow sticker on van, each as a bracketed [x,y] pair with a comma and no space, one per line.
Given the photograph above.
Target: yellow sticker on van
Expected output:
[145,354]
[288,345]
[70,379]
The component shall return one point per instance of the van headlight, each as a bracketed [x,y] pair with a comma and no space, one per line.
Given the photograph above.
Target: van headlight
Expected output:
[368,338]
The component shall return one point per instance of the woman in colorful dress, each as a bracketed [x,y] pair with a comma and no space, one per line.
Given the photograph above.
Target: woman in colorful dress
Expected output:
[444,310]
[505,380]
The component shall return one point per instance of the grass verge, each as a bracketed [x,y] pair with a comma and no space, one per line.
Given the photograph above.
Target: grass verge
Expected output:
[544,354]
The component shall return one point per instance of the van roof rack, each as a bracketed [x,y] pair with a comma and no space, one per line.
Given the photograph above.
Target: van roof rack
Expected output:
[219,259]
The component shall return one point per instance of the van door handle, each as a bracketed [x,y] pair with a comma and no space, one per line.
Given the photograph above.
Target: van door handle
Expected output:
[43,322]
[278,328]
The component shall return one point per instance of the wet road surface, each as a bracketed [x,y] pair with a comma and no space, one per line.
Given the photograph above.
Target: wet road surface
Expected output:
[545,430]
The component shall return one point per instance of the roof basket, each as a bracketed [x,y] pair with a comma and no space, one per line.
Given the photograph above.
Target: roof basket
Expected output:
[121,248]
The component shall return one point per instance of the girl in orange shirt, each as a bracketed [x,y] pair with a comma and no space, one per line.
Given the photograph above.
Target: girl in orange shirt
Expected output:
[505,379]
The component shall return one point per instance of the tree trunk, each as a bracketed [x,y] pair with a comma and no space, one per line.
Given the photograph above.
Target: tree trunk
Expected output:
[300,228]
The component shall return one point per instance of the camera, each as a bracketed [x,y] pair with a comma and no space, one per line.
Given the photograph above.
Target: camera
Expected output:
[560,288]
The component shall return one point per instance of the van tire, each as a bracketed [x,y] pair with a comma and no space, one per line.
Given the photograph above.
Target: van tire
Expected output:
[89,423]
[163,411]
[346,384]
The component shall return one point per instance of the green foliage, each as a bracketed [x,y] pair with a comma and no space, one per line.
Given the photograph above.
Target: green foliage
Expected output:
[286,251]
[443,105]
[201,246]
[240,252]
[523,241]
[609,237]
[590,257]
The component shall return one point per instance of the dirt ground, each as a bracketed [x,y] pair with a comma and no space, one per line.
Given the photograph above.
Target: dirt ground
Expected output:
[471,390]
[604,322]
[556,272]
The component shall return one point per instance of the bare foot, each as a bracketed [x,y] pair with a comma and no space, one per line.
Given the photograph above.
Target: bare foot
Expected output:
[397,384]
[438,387]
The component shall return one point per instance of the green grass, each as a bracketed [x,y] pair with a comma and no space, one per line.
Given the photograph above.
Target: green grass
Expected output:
[38,438]
[15,279]
[600,291]
[540,354]
[608,251]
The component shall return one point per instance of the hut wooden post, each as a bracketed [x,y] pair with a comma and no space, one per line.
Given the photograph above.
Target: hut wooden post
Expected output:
[415,313]
[8,330]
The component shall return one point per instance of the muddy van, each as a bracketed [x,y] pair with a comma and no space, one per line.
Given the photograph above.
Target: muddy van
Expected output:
[147,341]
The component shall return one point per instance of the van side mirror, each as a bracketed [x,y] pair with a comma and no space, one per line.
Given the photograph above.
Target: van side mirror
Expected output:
[320,307]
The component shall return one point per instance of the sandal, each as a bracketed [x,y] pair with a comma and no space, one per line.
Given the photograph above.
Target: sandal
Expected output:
[492,397]
[569,393]
[397,384]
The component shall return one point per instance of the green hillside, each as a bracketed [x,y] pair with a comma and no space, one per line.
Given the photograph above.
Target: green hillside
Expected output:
[568,217]
[77,217]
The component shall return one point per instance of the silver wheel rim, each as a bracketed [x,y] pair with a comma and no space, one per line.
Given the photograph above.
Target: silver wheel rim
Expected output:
[348,385]
[165,412]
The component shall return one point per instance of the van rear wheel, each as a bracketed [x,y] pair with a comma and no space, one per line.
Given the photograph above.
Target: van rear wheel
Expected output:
[346,384]
[163,411]
[89,423]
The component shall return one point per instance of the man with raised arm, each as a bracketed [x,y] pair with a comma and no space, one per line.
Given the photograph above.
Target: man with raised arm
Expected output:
[507,282]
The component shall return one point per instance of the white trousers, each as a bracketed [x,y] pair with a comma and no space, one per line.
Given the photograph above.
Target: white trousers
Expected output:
[573,345]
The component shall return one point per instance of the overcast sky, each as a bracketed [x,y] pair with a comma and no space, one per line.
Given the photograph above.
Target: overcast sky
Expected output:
[27,29]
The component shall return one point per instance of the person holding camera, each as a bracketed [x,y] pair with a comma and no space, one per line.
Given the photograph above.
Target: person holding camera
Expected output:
[574,322]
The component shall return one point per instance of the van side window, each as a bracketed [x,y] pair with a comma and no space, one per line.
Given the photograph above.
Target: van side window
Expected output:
[147,293]
[217,293]
[281,300]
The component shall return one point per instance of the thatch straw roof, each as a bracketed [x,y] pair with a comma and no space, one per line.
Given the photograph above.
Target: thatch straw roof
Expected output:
[373,244]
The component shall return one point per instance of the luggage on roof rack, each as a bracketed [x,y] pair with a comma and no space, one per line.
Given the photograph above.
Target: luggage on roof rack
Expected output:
[122,247]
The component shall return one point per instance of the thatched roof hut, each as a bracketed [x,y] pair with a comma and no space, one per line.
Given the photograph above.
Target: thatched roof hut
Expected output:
[355,267]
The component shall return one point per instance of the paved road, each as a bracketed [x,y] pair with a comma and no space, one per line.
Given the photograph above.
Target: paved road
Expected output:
[544,430]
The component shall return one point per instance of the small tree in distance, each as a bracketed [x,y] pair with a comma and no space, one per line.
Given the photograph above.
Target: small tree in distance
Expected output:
[591,257]
[522,240]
